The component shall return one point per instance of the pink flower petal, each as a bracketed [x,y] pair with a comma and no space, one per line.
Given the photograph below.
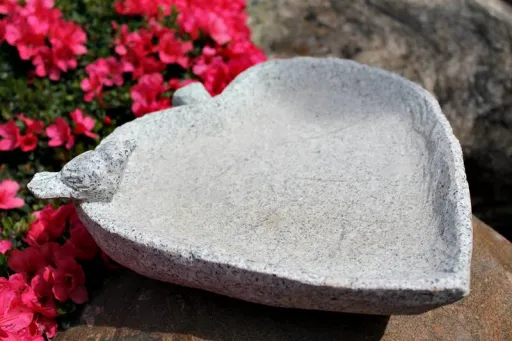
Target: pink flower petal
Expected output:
[8,191]
[91,134]
[86,85]
[5,245]
[12,203]
[88,122]
[71,142]
[10,187]
[60,291]
[16,319]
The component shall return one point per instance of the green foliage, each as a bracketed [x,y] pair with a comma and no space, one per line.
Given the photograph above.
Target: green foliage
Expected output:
[46,100]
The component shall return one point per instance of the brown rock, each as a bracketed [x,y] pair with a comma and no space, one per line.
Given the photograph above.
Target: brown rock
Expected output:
[133,308]
[460,50]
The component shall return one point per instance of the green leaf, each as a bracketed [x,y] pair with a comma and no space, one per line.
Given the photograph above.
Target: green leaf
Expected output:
[7,224]
[66,307]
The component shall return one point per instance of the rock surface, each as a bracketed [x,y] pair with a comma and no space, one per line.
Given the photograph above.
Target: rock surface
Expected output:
[134,308]
[460,50]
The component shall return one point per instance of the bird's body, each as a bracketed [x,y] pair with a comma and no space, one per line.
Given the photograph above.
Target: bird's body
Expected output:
[93,176]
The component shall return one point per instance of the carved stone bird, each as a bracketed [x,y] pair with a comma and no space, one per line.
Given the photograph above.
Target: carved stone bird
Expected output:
[92,176]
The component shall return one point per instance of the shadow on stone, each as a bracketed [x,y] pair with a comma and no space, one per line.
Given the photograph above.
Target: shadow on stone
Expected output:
[142,309]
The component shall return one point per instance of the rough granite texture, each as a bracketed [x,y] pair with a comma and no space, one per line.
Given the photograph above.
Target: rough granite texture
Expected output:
[190,94]
[94,175]
[308,183]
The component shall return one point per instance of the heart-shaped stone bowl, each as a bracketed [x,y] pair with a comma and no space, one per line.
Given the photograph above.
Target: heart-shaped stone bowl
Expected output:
[308,183]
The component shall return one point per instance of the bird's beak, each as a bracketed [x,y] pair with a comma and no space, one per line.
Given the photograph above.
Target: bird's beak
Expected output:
[47,185]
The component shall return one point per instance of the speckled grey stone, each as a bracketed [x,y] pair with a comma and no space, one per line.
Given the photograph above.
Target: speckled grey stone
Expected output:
[308,183]
[190,94]
[94,175]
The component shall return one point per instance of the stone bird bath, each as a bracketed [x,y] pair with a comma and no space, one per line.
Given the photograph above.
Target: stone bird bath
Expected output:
[308,183]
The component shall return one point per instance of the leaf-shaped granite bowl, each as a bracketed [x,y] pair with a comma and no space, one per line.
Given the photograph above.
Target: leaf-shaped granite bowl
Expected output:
[308,183]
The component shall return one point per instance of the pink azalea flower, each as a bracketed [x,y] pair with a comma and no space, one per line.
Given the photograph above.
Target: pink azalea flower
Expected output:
[148,65]
[92,88]
[80,244]
[40,299]
[14,316]
[214,73]
[42,324]
[68,281]
[28,142]
[93,85]
[45,65]
[8,191]
[35,24]
[157,28]
[19,33]
[63,58]
[38,6]
[242,55]
[135,48]
[40,14]
[208,51]
[14,320]
[66,34]
[3,23]
[67,41]
[8,6]
[28,261]
[49,224]
[83,124]
[217,29]
[149,8]
[22,316]
[103,72]
[146,93]
[191,19]
[122,40]
[33,126]
[60,133]
[10,134]
[171,50]
[42,282]
[108,71]
[5,245]
[115,74]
